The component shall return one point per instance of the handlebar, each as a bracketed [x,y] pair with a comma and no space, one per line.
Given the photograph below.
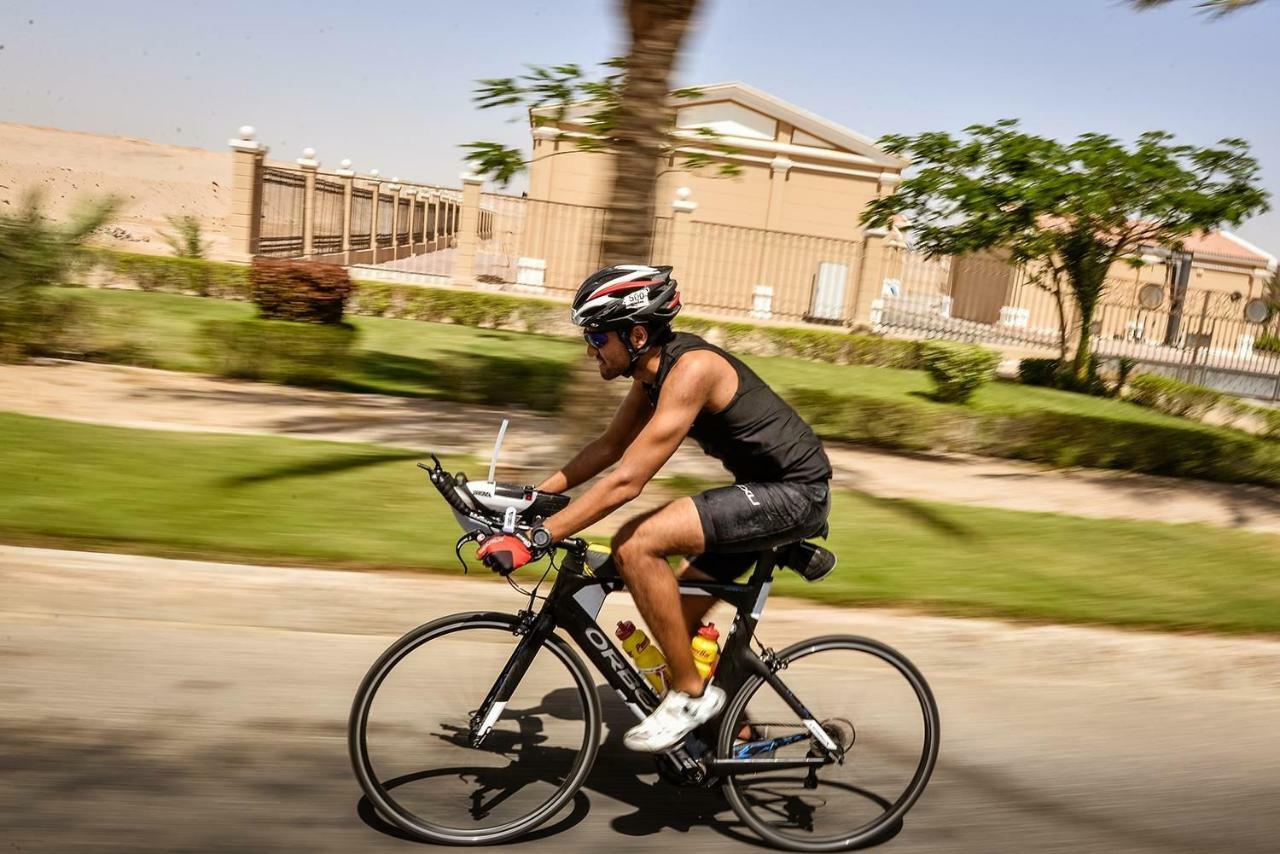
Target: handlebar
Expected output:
[447,485]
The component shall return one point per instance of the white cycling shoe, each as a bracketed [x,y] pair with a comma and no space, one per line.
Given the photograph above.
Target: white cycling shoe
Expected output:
[676,716]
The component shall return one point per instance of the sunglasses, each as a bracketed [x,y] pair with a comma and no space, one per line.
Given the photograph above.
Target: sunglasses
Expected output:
[596,339]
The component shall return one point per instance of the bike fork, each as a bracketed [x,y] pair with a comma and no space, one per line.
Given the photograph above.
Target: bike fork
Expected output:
[535,631]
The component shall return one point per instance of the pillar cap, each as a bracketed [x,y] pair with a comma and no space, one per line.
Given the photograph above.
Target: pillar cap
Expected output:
[682,202]
[781,163]
[245,141]
[471,178]
[874,232]
[308,159]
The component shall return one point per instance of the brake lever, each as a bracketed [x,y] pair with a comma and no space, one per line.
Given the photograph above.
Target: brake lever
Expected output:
[469,537]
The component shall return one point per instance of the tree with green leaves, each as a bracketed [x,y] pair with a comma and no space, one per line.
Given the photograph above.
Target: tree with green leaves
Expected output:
[36,254]
[630,112]
[1066,211]
[1213,8]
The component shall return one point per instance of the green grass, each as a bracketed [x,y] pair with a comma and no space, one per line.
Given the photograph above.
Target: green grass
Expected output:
[286,500]
[401,357]
[895,385]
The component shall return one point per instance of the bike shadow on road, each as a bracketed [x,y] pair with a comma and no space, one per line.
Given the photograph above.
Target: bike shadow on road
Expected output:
[622,777]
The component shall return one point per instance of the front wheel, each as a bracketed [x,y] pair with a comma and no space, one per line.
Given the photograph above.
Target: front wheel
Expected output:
[869,700]
[410,733]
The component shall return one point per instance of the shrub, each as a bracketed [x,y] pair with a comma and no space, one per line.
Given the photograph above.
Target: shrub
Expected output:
[1039,372]
[898,424]
[187,239]
[957,370]
[1054,438]
[187,276]
[1173,397]
[1267,342]
[35,256]
[276,350]
[301,291]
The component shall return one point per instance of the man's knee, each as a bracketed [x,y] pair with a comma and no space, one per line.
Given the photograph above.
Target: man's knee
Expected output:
[630,545]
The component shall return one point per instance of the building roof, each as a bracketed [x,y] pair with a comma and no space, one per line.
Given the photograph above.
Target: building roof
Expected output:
[1224,244]
[828,140]
[798,117]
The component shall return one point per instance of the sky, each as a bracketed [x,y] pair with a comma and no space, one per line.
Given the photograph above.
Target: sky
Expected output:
[389,85]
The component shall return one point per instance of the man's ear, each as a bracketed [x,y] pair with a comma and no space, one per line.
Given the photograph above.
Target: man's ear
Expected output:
[639,336]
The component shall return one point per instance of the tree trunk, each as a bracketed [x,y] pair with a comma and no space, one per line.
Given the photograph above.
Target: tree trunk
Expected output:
[658,28]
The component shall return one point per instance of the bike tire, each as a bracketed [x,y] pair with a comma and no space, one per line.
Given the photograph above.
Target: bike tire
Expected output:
[887,823]
[410,822]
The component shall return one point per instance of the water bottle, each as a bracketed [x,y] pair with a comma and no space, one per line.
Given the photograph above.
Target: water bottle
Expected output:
[650,660]
[706,650]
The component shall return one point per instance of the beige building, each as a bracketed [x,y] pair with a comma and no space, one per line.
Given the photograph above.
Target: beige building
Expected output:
[1220,266]
[779,240]
[800,173]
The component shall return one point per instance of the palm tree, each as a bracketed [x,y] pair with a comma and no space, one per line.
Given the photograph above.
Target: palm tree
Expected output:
[657,29]
[1213,8]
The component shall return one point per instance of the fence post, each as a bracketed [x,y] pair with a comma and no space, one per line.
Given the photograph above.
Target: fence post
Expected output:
[394,187]
[348,182]
[245,223]
[376,189]
[681,232]
[418,247]
[464,261]
[870,278]
[308,164]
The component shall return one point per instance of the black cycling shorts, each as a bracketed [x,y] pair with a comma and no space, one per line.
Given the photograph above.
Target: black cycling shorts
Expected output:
[741,520]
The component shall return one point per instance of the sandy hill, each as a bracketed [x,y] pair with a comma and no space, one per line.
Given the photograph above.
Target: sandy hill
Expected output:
[153,180]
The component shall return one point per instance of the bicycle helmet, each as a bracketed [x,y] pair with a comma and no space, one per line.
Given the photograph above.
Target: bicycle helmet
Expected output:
[617,298]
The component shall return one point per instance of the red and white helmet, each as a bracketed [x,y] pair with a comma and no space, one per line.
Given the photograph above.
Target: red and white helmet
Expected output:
[617,298]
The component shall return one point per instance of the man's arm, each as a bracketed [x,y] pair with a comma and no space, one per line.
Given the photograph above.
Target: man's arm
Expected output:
[633,413]
[684,395]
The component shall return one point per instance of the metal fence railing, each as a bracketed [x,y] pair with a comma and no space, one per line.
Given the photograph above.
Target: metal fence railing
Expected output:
[326,238]
[566,239]
[771,274]
[361,218]
[402,221]
[283,200]
[386,217]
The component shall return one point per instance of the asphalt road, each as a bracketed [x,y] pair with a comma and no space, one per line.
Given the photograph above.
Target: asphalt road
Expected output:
[153,705]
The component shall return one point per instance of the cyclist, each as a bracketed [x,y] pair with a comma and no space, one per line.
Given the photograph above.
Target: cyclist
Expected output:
[680,386]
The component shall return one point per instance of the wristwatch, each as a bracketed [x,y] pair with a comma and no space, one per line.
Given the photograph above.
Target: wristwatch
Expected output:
[540,537]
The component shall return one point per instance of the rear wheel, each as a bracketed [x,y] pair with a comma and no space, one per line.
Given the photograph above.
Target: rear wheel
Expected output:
[410,732]
[869,700]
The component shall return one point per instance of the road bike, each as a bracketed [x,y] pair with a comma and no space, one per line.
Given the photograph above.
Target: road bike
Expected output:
[477,728]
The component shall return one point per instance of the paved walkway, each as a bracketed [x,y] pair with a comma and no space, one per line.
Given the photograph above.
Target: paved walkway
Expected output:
[158,705]
[143,398]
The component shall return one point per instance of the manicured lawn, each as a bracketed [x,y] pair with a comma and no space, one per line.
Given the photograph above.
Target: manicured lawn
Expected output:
[275,499]
[415,358]
[893,384]
[401,357]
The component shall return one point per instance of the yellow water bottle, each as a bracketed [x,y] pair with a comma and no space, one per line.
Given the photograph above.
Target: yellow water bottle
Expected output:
[706,650]
[650,660]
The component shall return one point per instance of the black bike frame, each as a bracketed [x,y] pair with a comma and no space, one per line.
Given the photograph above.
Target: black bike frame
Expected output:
[573,604]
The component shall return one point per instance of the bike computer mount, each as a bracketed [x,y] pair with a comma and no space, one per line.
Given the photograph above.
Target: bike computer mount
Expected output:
[489,506]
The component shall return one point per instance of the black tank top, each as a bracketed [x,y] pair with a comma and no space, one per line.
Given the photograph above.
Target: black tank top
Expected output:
[758,437]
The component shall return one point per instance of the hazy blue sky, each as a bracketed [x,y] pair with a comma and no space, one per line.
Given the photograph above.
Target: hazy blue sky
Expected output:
[388,84]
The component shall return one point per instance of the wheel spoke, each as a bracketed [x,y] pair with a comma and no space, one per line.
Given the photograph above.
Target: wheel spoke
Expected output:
[412,734]
[874,706]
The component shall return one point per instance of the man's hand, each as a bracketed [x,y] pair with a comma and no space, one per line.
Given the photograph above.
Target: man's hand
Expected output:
[505,553]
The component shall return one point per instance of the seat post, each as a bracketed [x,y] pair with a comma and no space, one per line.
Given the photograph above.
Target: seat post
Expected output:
[766,562]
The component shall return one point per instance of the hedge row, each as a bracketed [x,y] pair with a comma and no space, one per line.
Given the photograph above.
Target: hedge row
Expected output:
[1055,438]
[193,277]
